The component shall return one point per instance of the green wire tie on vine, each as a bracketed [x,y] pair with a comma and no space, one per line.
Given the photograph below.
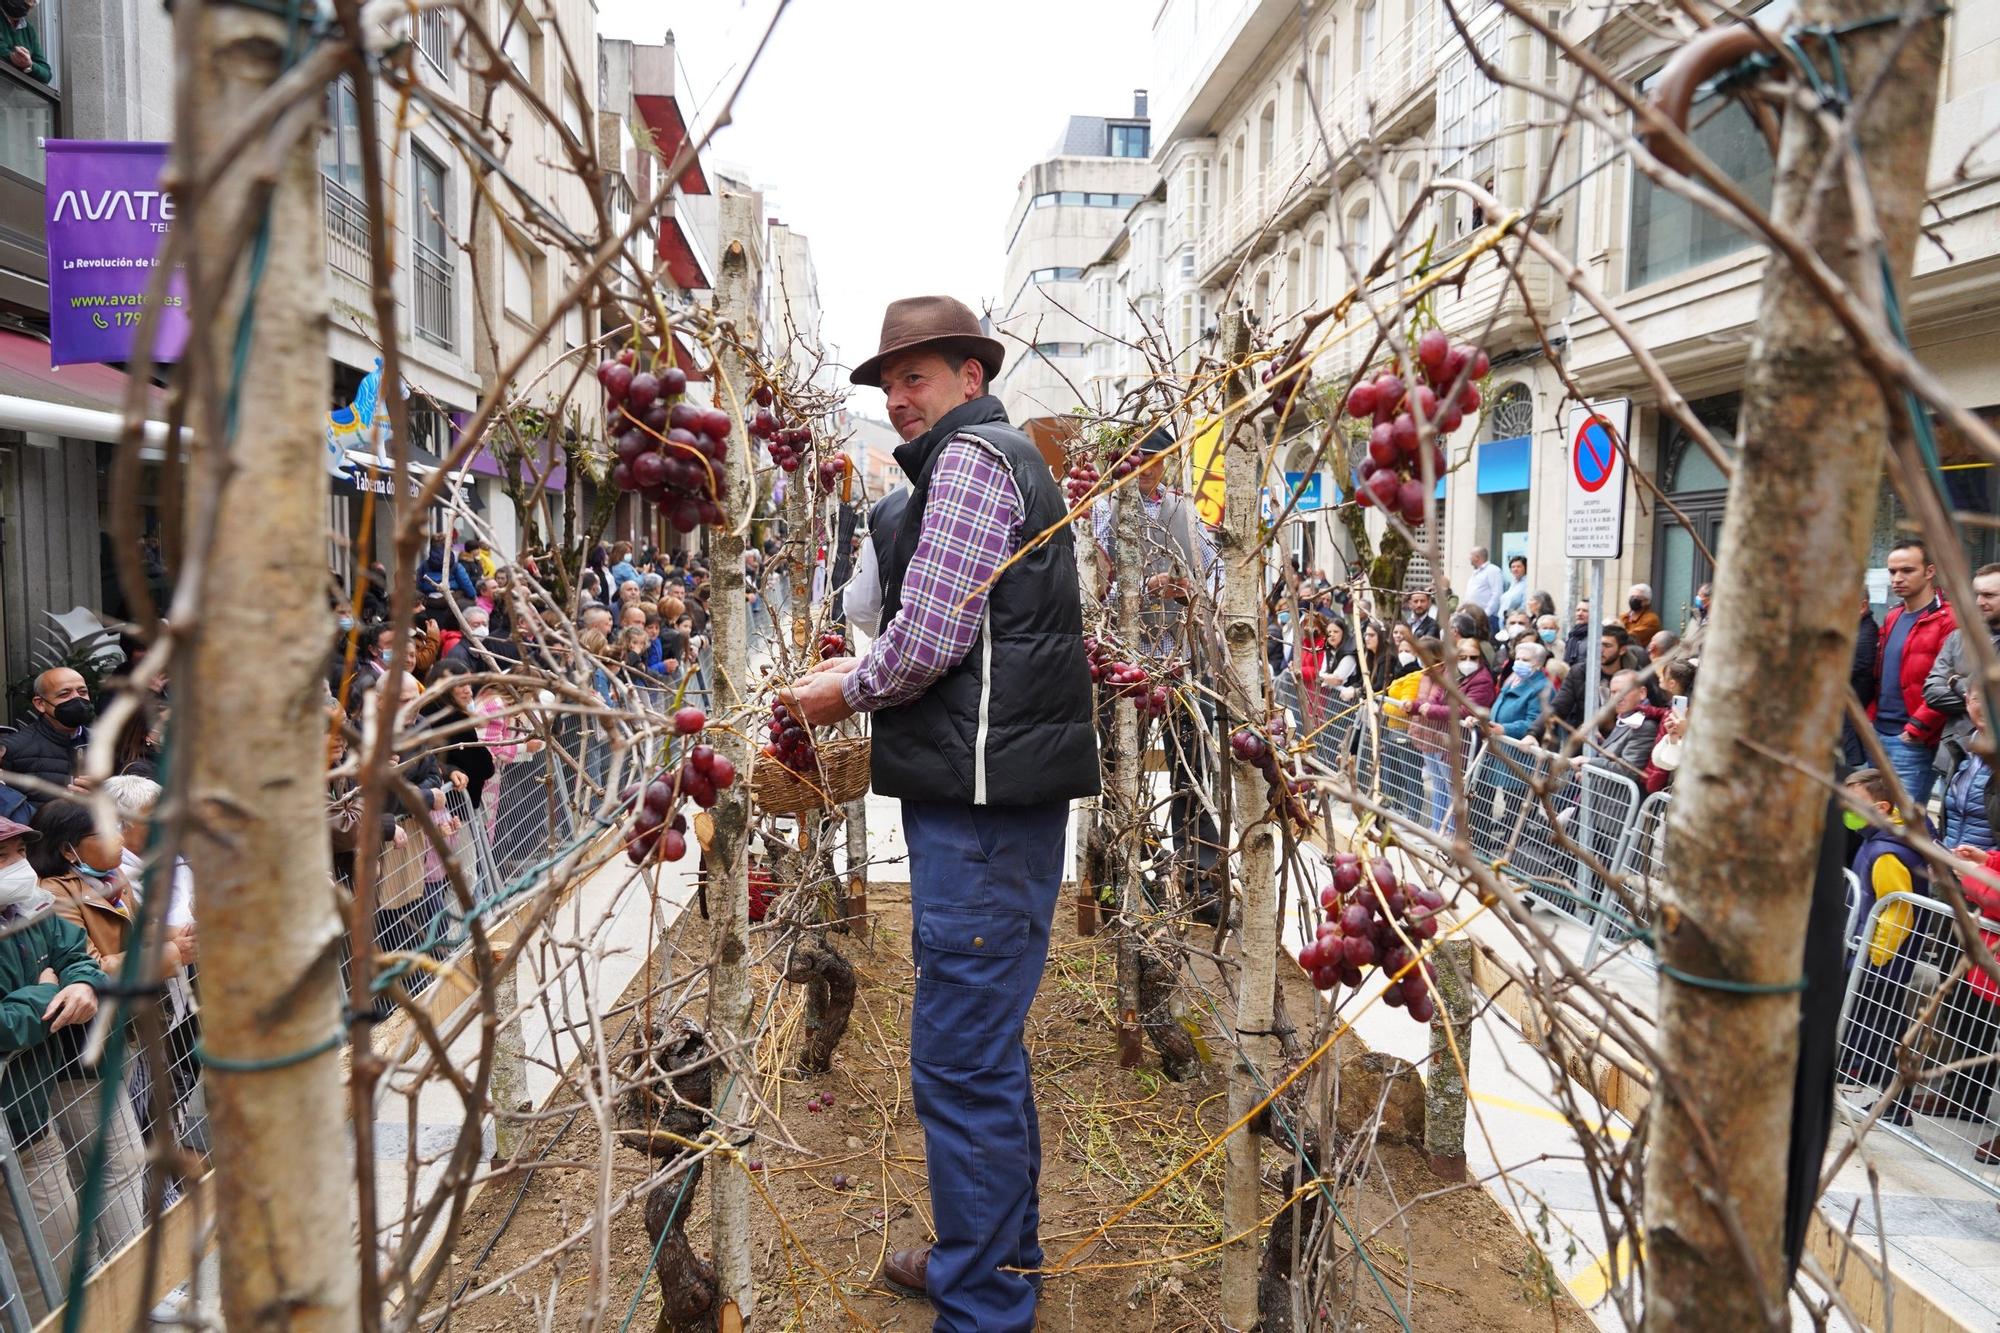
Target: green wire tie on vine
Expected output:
[1723,984]
[210,1060]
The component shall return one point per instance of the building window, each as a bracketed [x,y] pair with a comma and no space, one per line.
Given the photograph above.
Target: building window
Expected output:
[1322,70]
[340,176]
[1194,196]
[1670,233]
[1367,40]
[340,145]
[1059,349]
[1360,242]
[518,44]
[1316,291]
[1236,180]
[1295,292]
[1131,141]
[1469,114]
[430,250]
[1503,472]
[1408,187]
[1042,275]
[518,280]
[1187,264]
[573,117]
[1301,107]
[434,38]
[1267,137]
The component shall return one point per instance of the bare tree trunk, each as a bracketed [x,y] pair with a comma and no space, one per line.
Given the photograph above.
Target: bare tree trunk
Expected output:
[724,860]
[508,1085]
[253,731]
[1131,778]
[1774,670]
[1243,692]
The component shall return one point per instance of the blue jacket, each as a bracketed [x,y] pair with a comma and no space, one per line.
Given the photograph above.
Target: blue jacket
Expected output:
[432,580]
[621,573]
[1520,704]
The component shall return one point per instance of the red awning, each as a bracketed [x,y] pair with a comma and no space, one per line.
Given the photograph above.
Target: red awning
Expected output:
[25,372]
[682,264]
[662,115]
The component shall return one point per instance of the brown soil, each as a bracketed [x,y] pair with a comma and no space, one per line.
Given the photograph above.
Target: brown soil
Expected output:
[1452,1262]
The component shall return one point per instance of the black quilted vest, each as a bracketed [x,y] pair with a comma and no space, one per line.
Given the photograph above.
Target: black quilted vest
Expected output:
[1011,723]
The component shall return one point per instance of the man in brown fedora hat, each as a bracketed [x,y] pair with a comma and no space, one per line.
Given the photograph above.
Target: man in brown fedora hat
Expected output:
[981,697]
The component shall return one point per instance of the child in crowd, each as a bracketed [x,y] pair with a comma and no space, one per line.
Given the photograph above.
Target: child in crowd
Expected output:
[1886,864]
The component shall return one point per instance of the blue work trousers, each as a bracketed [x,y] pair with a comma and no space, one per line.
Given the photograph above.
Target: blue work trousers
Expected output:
[1915,764]
[983,887]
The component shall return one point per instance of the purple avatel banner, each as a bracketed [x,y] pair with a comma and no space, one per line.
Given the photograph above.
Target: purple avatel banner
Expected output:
[106,220]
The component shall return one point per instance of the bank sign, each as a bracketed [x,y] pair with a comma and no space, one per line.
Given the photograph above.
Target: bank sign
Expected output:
[107,219]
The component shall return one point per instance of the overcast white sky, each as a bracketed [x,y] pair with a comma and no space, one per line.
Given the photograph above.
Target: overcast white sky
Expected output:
[893,133]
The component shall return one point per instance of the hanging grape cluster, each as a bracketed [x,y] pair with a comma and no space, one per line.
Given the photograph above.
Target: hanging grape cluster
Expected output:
[658,830]
[1391,476]
[1151,692]
[1286,794]
[669,450]
[1372,919]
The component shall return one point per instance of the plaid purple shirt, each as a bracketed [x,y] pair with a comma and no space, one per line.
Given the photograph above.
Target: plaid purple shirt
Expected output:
[972,523]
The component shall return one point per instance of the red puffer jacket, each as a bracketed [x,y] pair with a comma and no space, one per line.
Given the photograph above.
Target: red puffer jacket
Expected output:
[1919,651]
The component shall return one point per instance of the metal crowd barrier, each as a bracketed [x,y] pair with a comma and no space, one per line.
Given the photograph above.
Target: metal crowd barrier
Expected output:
[1948,1112]
[1594,808]
[54,1107]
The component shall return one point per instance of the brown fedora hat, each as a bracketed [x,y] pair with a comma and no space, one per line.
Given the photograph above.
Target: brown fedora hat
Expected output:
[927,321]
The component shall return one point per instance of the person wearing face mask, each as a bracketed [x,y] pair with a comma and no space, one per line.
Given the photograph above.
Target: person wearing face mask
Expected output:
[1435,717]
[1626,745]
[79,866]
[1548,631]
[1403,680]
[49,986]
[46,745]
[1641,621]
[1525,696]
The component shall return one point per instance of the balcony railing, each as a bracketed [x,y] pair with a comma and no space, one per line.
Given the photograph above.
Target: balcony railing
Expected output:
[346,232]
[430,276]
[434,38]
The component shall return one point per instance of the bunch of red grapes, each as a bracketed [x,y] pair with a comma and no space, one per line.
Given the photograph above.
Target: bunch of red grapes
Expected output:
[785,442]
[1391,476]
[831,470]
[1369,915]
[1292,387]
[832,644]
[1253,749]
[659,830]
[1150,695]
[791,740]
[671,452]
[1081,479]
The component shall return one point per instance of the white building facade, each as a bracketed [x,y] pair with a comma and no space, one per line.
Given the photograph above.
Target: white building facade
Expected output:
[1293,149]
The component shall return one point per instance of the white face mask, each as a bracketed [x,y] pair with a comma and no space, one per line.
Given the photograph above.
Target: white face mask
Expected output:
[19,885]
[1466,666]
[477,631]
[1407,659]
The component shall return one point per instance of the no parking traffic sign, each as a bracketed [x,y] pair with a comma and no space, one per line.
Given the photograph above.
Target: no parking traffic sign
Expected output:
[1594,517]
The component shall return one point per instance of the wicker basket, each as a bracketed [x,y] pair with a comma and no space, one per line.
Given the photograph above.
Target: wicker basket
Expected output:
[841,776]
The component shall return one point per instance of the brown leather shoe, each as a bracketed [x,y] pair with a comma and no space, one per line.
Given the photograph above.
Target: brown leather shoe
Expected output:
[906,1268]
[1934,1103]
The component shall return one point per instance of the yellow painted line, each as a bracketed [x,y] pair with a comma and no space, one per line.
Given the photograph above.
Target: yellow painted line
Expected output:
[1589,1286]
[1546,1113]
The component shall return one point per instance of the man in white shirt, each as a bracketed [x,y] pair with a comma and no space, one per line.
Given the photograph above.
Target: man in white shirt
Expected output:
[1486,585]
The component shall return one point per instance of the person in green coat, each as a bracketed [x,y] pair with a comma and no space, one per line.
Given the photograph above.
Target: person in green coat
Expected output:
[48,994]
[21,42]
